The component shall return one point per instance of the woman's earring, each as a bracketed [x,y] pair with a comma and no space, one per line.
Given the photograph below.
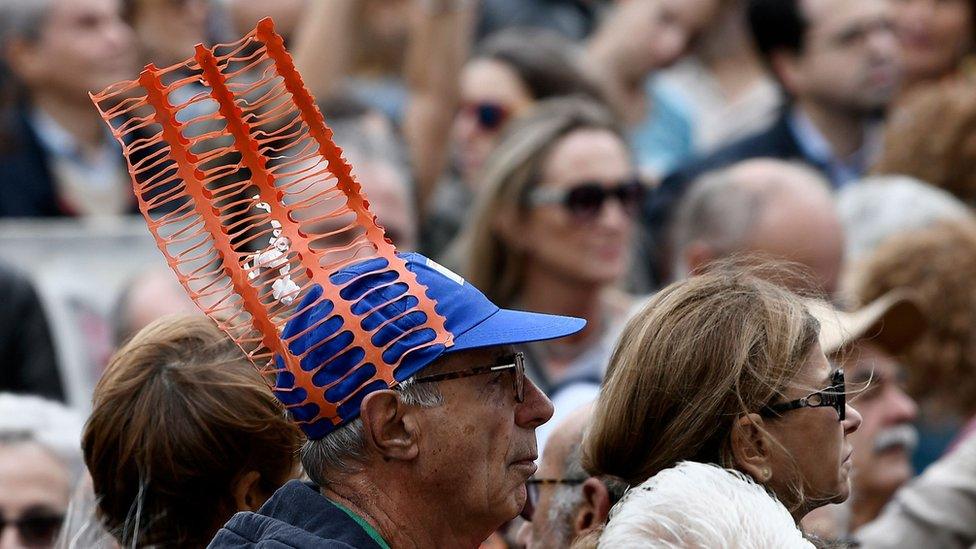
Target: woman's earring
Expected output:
[766,474]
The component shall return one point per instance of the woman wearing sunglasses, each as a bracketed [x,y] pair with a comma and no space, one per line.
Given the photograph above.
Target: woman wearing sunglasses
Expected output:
[724,369]
[509,73]
[39,464]
[553,227]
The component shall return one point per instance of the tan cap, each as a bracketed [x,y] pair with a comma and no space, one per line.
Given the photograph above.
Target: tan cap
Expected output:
[893,321]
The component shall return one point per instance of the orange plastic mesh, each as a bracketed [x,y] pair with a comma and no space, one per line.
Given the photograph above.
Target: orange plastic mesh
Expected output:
[250,200]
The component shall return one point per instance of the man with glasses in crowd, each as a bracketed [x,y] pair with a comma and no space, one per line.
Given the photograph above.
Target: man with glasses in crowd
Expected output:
[838,64]
[564,502]
[438,460]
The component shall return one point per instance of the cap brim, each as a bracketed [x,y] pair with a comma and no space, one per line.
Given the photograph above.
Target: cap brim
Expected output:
[508,327]
[894,321]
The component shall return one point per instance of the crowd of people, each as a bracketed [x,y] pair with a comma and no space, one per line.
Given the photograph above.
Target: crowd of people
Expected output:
[705,281]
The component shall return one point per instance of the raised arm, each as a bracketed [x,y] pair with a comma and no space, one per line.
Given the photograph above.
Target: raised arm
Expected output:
[439,45]
[323,47]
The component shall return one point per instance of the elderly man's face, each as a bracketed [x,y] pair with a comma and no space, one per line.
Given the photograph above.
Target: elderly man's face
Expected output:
[884,444]
[851,59]
[480,444]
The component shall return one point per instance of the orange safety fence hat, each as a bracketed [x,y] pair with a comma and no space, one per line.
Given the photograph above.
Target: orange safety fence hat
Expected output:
[259,215]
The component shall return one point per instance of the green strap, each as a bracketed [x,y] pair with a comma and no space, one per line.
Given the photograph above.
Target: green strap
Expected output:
[364,525]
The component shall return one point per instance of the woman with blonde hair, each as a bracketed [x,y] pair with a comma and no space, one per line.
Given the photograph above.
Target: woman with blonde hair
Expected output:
[724,369]
[553,228]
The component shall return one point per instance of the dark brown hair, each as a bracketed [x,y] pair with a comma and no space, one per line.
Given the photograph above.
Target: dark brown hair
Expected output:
[178,417]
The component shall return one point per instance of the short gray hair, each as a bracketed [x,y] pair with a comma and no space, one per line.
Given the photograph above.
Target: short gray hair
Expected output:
[723,207]
[22,19]
[716,210]
[566,498]
[879,207]
[343,450]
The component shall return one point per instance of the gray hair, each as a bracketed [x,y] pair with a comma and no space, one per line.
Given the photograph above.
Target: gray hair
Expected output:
[22,19]
[716,210]
[49,424]
[566,498]
[879,207]
[723,207]
[343,450]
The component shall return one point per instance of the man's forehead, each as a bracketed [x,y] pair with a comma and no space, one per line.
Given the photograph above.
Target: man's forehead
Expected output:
[826,17]
[866,359]
[470,358]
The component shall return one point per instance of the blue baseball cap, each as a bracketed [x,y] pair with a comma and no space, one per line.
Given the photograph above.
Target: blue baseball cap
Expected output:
[318,335]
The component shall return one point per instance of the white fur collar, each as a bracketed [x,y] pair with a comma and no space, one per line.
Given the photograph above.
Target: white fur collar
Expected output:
[694,505]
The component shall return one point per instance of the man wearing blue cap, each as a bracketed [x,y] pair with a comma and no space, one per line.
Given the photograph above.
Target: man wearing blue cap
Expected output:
[438,460]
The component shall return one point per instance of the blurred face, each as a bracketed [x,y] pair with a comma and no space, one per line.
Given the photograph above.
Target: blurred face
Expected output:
[934,35]
[851,59]
[169,29]
[543,531]
[246,13]
[816,452]
[655,33]
[34,493]
[83,46]
[482,446]
[589,249]
[884,444]
[389,200]
[491,94]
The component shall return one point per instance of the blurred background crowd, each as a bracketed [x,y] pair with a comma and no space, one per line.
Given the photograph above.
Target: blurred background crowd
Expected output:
[565,156]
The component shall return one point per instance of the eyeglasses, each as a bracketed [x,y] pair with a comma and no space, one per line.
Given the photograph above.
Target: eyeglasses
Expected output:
[515,361]
[35,530]
[585,200]
[834,396]
[490,116]
[532,492]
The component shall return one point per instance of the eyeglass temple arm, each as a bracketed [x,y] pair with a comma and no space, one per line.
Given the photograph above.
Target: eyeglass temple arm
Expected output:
[778,409]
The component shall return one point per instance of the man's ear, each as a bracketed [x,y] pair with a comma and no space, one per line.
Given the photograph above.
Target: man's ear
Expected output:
[593,512]
[390,427]
[752,448]
[248,495]
[786,68]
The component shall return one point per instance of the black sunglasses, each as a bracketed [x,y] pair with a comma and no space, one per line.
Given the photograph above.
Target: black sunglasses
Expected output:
[514,362]
[35,530]
[490,116]
[585,200]
[834,396]
[532,492]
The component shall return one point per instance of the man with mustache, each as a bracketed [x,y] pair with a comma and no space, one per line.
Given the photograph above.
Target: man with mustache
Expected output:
[864,343]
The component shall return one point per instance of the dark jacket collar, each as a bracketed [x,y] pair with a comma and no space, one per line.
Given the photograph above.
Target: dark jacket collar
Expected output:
[297,515]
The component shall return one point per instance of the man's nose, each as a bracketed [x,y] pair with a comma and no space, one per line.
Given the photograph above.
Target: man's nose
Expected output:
[903,407]
[535,409]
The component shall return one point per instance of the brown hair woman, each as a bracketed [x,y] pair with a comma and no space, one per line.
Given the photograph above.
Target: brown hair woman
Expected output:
[725,369]
[183,434]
